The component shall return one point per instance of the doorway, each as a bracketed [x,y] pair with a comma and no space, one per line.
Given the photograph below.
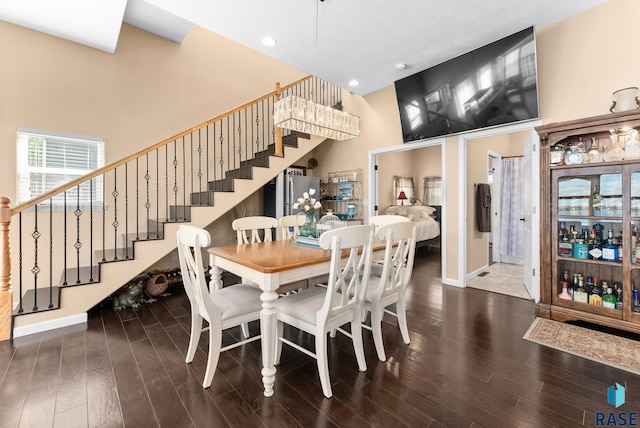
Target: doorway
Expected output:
[417,160]
[475,255]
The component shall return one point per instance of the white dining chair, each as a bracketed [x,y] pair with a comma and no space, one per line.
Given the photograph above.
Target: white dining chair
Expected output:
[389,288]
[290,225]
[224,308]
[320,310]
[249,229]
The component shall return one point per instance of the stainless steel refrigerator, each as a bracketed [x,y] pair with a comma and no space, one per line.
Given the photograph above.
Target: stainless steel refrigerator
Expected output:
[283,191]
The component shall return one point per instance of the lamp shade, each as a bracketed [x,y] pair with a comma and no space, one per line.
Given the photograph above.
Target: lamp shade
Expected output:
[402,197]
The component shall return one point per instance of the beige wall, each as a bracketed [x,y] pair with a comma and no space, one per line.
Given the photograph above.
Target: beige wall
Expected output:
[148,90]
[151,88]
[418,163]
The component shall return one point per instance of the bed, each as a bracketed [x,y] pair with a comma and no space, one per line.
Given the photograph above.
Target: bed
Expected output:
[427,219]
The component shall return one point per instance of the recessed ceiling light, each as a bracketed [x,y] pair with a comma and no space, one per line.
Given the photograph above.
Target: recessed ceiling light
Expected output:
[401,66]
[269,41]
[353,83]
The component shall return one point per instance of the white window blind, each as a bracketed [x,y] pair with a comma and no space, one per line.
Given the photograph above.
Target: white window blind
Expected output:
[47,160]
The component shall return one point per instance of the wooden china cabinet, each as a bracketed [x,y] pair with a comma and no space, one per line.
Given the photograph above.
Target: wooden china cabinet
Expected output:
[590,218]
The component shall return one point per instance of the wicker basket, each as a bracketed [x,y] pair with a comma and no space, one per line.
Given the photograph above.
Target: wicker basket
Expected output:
[156,285]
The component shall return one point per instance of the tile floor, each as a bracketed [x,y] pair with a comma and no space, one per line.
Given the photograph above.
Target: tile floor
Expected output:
[503,278]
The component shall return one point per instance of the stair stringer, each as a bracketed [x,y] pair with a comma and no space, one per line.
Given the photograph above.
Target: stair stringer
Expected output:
[76,301]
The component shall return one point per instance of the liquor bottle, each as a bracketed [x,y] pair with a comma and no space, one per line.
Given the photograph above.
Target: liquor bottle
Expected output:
[596,201]
[618,291]
[610,250]
[634,299]
[609,299]
[580,250]
[595,298]
[565,248]
[570,287]
[564,233]
[580,294]
[594,152]
[588,284]
[634,243]
[564,294]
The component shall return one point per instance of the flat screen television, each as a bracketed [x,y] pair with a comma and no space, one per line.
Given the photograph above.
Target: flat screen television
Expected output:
[491,85]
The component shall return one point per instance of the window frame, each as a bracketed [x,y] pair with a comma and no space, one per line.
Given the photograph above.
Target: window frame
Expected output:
[25,171]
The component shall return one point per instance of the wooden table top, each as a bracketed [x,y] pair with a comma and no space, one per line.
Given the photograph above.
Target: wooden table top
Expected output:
[273,256]
[276,256]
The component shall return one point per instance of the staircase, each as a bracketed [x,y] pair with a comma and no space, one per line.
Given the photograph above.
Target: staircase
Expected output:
[64,263]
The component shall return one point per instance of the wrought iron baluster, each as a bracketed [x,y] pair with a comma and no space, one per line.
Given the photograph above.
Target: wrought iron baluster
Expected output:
[50,253]
[115,222]
[207,165]
[35,270]
[137,200]
[239,144]
[166,181]
[175,177]
[246,137]
[78,243]
[200,168]
[222,180]
[229,154]
[104,217]
[64,216]
[157,194]
[126,211]
[20,307]
[147,204]
[184,181]
[258,149]
[90,230]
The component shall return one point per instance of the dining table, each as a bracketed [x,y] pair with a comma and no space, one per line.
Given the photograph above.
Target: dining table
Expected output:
[269,265]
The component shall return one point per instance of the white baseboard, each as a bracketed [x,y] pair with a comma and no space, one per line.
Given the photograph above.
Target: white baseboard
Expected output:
[49,325]
[477,272]
[452,282]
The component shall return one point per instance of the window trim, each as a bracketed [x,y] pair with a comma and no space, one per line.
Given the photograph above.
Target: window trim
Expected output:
[98,197]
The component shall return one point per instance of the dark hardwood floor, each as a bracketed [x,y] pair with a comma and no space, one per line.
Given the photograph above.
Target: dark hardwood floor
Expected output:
[467,366]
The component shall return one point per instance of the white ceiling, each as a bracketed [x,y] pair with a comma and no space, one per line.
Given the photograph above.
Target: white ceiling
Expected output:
[337,40]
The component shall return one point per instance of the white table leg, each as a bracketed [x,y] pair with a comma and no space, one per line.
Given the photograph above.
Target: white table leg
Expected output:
[216,278]
[268,322]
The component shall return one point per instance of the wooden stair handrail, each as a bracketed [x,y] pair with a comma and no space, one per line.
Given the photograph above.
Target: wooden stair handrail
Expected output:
[73,183]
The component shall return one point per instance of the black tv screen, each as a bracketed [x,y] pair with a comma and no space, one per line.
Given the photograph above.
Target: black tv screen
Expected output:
[492,85]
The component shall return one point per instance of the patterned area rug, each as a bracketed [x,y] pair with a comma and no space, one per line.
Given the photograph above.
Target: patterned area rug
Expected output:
[604,348]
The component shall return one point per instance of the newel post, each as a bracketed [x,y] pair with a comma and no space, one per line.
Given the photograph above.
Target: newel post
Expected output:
[279,148]
[5,269]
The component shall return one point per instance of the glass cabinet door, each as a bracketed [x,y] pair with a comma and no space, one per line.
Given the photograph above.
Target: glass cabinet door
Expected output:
[588,236]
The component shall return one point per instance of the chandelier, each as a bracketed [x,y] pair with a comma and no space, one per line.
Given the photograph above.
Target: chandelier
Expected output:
[302,115]
[298,114]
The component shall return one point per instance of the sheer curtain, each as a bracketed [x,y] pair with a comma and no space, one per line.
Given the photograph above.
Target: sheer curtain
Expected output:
[402,184]
[512,207]
[432,191]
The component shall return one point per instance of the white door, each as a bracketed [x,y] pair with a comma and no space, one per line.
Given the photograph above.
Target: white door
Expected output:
[531,192]
[495,182]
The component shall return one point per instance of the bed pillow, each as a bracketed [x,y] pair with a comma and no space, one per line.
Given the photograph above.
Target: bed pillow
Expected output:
[423,209]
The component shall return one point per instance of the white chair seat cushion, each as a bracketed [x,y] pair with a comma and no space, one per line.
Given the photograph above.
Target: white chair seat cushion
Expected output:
[373,284]
[303,305]
[237,300]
